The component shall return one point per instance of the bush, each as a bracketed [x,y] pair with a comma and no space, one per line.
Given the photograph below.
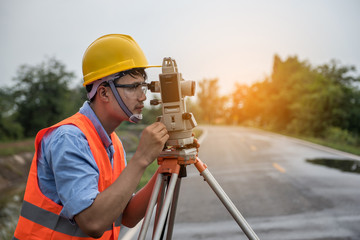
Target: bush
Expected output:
[338,135]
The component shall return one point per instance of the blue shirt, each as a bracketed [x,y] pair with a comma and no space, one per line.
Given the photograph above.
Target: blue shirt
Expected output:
[67,171]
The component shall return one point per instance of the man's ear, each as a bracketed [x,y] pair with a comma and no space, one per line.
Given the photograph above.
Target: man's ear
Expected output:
[103,93]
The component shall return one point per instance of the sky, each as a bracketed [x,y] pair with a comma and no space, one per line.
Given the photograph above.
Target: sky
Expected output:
[232,40]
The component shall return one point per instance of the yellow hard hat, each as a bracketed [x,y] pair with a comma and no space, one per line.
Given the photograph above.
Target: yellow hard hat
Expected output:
[110,54]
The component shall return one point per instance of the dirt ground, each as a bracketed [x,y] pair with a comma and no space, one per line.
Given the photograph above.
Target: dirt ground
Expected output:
[14,170]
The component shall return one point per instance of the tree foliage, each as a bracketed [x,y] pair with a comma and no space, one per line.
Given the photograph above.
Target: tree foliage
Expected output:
[41,96]
[297,98]
[9,128]
[301,99]
[210,102]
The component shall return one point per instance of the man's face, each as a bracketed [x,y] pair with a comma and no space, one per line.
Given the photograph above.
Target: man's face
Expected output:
[133,97]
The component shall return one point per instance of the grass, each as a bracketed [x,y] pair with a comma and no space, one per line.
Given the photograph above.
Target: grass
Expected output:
[15,147]
[149,172]
[10,204]
[338,145]
[332,142]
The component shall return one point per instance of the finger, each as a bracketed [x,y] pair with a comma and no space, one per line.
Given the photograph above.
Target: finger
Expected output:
[150,128]
[165,138]
[163,130]
[158,127]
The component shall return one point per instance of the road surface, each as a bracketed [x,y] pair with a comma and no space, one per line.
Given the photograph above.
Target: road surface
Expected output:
[280,194]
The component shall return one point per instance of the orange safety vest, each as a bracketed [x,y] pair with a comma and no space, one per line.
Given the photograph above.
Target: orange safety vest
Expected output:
[40,216]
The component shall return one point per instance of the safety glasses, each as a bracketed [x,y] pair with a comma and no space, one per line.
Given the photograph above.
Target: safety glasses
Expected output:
[134,90]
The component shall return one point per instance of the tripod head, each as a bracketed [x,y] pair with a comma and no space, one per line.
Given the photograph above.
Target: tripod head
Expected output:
[179,123]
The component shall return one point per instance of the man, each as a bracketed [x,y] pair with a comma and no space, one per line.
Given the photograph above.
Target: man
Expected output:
[78,185]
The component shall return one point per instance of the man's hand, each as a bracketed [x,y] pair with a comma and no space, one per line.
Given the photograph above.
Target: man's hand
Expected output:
[152,141]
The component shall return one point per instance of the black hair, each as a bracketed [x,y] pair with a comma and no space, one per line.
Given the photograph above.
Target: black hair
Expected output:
[133,73]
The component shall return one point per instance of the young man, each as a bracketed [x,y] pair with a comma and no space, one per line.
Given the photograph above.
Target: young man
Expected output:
[79,185]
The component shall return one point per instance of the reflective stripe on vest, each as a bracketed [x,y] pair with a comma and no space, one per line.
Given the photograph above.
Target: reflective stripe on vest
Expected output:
[54,221]
[40,216]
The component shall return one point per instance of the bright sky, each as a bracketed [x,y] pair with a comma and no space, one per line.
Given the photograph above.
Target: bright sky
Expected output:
[233,40]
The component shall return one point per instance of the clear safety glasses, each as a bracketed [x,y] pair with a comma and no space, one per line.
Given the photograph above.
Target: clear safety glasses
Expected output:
[135,90]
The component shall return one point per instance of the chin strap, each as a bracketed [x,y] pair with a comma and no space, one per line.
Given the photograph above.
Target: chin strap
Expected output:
[134,118]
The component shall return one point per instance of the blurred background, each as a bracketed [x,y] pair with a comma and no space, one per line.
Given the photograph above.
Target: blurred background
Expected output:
[290,67]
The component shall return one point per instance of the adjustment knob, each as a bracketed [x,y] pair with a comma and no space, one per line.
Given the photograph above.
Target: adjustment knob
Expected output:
[186,116]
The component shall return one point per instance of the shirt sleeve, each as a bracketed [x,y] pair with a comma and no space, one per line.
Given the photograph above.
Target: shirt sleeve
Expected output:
[76,174]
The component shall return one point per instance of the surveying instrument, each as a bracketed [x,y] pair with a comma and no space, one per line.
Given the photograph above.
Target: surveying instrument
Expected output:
[180,151]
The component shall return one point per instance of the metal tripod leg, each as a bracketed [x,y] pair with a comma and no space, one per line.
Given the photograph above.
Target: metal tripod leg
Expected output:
[226,201]
[160,199]
[173,210]
[166,206]
[150,207]
[164,209]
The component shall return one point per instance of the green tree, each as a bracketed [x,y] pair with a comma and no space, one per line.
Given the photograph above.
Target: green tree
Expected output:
[9,128]
[237,101]
[193,107]
[210,102]
[285,87]
[301,99]
[42,95]
[346,113]
[77,97]
[150,114]
[255,105]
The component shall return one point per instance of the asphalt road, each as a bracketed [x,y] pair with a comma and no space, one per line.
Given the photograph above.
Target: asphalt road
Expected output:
[280,194]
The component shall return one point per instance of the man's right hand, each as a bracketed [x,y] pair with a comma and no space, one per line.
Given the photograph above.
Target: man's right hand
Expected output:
[152,141]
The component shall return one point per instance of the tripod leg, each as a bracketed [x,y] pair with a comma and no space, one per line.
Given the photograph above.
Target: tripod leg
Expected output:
[226,201]
[160,200]
[173,210]
[165,184]
[166,205]
[182,173]
[150,207]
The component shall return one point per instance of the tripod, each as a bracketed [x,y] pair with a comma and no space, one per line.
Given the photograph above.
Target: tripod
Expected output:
[166,191]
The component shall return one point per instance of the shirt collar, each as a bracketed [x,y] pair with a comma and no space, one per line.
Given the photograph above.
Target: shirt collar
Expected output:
[89,113]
